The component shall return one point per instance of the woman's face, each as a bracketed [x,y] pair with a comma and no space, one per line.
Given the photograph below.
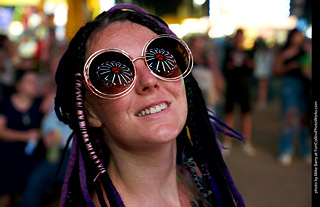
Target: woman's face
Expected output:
[120,118]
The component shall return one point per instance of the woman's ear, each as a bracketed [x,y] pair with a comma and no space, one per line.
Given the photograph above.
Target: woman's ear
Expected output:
[93,120]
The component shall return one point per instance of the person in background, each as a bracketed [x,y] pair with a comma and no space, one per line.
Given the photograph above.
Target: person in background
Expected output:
[20,119]
[43,178]
[55,135]
[207,75]
[263,59]
[295,92]
[238,67]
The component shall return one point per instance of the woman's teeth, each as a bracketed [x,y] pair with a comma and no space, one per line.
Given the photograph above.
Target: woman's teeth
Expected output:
[153,109]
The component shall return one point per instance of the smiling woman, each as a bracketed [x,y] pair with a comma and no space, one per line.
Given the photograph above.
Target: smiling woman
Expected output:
[142,133]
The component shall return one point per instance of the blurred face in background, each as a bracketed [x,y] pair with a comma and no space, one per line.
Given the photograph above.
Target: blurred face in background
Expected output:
[28,84]
[297,38]
[238,39]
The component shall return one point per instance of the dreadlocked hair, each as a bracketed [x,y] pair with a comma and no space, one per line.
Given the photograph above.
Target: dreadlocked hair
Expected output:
[197,143]
[203,147]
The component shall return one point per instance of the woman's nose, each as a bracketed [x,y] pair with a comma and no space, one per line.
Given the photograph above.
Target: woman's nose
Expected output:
[146,81]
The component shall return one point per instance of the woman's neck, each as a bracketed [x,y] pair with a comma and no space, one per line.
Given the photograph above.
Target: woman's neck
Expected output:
[148,176]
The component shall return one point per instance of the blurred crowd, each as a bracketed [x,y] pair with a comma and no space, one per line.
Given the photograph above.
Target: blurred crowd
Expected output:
[32,139]
[230,76]
[236,79]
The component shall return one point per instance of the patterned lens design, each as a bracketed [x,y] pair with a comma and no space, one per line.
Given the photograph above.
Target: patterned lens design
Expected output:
[168,58]
[114,74]
[111,73]
[161,61]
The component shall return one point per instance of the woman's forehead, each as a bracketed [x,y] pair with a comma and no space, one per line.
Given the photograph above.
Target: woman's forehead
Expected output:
[121,35]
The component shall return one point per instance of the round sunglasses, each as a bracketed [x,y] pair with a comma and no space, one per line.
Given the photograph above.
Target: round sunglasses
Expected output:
[110,73]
